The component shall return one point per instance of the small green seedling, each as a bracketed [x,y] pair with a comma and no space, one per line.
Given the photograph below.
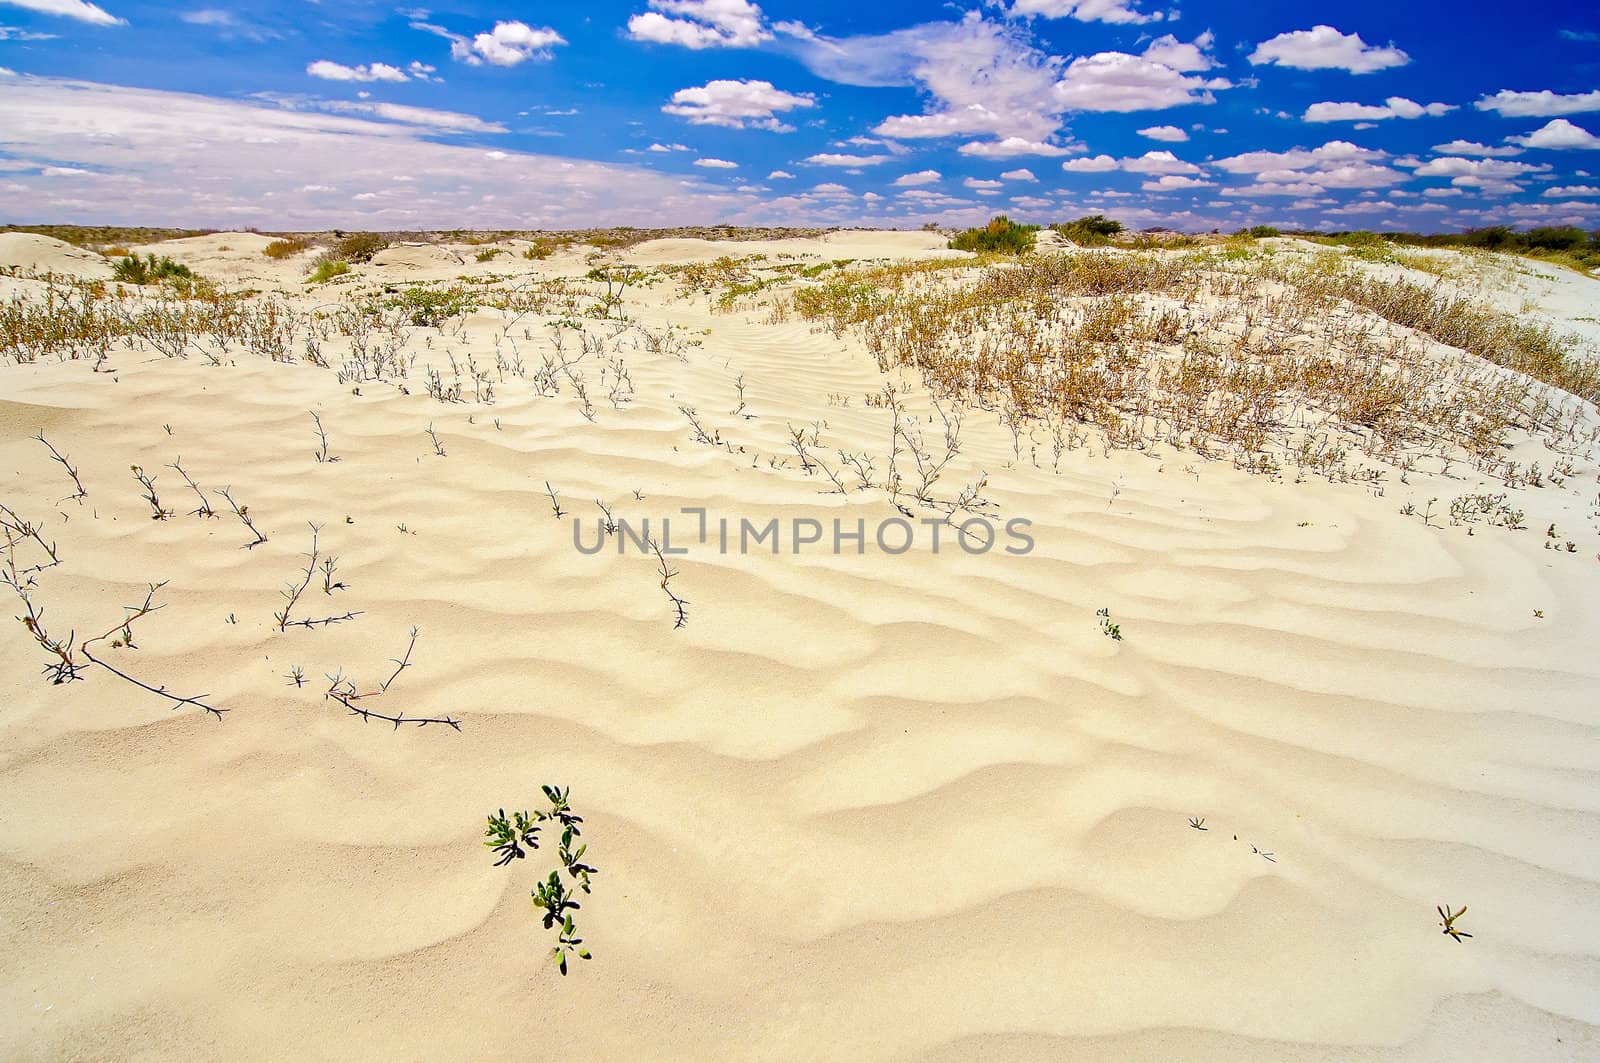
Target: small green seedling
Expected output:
[1111,629]
[507,837]
[1448,921]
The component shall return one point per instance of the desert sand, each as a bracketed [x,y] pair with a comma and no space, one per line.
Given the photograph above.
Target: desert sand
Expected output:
[863,806]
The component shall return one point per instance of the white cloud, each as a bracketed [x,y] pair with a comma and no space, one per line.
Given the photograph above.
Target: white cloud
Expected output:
[1171,134]
[921,177]
[1018,175]
[1188,58]
[701,24]
[1113,11]
[664,148]
[780,175]
[835,159]
[1116,81]
[1173,182]
[78,9]
[716,164]
[1393,107]
[1471,147]
[1011,147]
[737,105]
[1333,153]
[508,44]
[1542,104]
[331,71]
[182,159]
[1095,164]
[1159,162]
[1571,190]
[978,182]
[1325,48]
[1487,175]
[1558,134]
[1302,172]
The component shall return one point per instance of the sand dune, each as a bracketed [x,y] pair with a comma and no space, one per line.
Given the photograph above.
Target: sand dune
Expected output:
[865,806]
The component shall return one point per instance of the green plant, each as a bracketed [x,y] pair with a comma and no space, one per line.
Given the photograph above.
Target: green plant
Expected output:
[1091,230]
[150,270]
[359,247]
[1108,627]
[507,836]
[327,270]
[1448,921]
[1001,235]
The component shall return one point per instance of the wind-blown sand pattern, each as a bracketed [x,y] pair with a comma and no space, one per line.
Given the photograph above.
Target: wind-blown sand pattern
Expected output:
[860,806]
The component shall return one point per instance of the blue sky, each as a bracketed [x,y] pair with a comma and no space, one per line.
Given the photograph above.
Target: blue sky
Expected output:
[357,114]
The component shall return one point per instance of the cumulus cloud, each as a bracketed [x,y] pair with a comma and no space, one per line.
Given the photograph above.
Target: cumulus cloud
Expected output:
[701,24]
[836,159]
[921,177]
[1542,104]
[1187,57]
[78,9]
[981,183]
[1119,82]
[1018,175]
[507,44]
[1125,12]
[1094,164]
[331,71]
[1571,190]
[780,175]
[1168,133]
[716,164]
[1337,164]
[1011,147]
[738,105]
[1325,48]
[1486,175]
[1159,162]
[1558,134]
[1472,147]
[1173,182]
[1393,107]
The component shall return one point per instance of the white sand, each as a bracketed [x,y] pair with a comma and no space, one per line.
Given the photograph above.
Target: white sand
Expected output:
[43,254]
[862,807]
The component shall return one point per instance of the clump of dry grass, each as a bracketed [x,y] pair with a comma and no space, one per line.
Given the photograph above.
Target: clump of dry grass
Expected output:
[287,247]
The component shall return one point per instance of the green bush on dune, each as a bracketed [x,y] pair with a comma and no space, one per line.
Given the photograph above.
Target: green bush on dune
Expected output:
[1001,235]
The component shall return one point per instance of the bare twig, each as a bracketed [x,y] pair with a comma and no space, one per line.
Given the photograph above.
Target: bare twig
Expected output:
[243,513]
[344,691]
[67,465]
[157,511]
[292,593]
[136,613]
[204,509]
[680,606]
[322,455]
